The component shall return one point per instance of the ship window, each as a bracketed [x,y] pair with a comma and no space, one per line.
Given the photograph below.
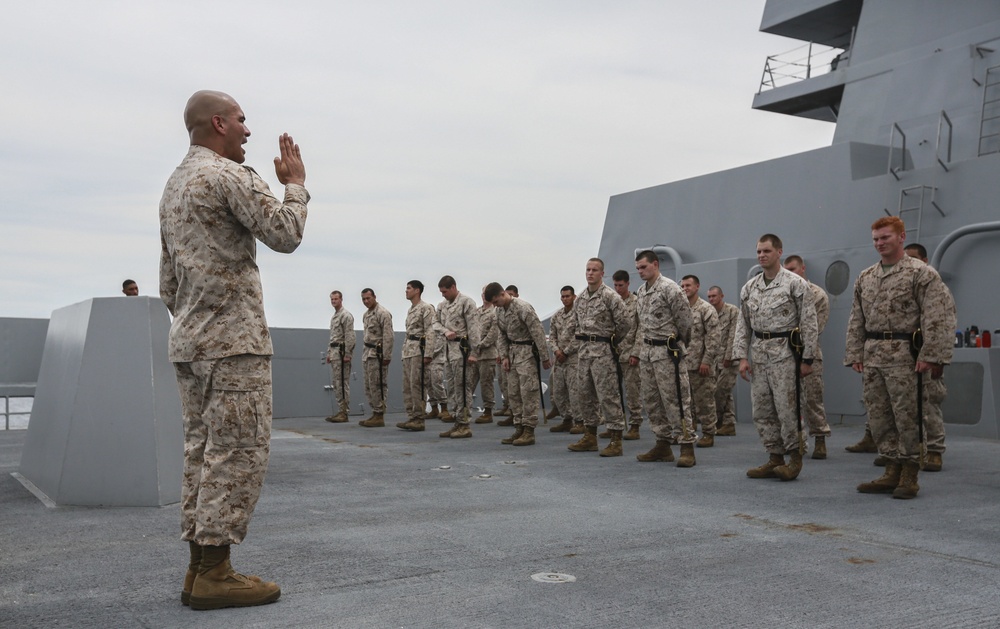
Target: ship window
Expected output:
[837,276]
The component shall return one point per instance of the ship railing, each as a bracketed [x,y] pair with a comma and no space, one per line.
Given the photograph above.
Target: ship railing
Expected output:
[14,390]
[801,63]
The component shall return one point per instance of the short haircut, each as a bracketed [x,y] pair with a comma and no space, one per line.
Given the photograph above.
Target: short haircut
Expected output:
[795,258]
[417,284]
[513,288]
[919,248]
[692,277]
[446,282]
[569,288]
[648,255]
[718,288]
[620,276]
[337,292]
[126,283]
[492,290]
[771,238]
[367,290]
[894,222]
[597,260]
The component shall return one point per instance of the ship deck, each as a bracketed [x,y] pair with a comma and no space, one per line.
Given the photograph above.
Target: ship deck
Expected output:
[386,528]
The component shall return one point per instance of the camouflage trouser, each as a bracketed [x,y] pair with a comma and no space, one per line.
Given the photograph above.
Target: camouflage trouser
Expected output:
[564,384]
[522,387]
[376,398]
[597,386]
[772,394]
[703,401]
[336,367]
[890,395]
[934,393]
[725,405]
[455,398]
[633,398]
[483,375]
[812,402]
[659,389]
[436,393]
[413,395]
[226,405]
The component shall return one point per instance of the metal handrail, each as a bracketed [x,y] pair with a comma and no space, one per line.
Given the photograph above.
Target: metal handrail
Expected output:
[961,232]
[801,63]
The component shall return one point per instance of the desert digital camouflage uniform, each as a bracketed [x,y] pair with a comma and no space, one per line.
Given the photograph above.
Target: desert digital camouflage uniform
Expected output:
[901,299]
[437,390]
[599,314]
[459,316]
[704,348]
[342,342]
[813,411]
[419,331]
[782,305]
[212,212]
[725,377]
[377,322]
[663,313]
[630,373]
[519,328]
[562,336]
[484,372]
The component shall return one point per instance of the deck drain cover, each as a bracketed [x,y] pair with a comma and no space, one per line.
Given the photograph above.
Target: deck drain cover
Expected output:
[553,577]
[485,476]
[444,467]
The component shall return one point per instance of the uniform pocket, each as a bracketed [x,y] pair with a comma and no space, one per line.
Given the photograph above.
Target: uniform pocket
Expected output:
[241,402]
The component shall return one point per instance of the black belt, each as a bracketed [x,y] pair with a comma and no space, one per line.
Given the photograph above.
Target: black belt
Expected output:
[336,345]
[889,336]
[772,335]
[593,338]
[657,342]
[414,337]
[372,345]
[528,342]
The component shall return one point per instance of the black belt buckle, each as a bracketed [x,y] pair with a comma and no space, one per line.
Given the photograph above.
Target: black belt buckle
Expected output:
[592,338]
[887,336]
[765,335]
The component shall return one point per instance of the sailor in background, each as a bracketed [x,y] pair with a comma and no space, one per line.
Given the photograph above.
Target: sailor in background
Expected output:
[725,366]
[339,355]
[377,355]
[703,349]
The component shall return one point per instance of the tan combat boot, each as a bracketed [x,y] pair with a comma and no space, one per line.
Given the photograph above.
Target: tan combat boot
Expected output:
[339,418]
[819,452]
[553,413]
[415,425]
[908,486]
[462,431]
[527,437]
[706,441]
[191,573]
[686,459]
[435,412]
[377,420]
[867,444]
[447,434]
[605,434]
[509,421]
[565,426]
[615,447]
[632,434]
[445,416]
[518,431]
[504,412]
[767,470]
[790,471]
[587,443]
[932,463]
[486,417]
[726,431]
[217,585]
[577,429]
[660,452]
[884,484]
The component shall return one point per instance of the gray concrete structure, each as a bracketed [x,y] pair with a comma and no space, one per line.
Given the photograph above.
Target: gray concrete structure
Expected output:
[915,94]
[105,427]
[21,345]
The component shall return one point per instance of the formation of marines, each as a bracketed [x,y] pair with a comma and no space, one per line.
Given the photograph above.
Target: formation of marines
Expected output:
[666,352]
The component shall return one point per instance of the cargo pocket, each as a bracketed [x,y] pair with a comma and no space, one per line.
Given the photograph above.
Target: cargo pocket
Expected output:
[241,397]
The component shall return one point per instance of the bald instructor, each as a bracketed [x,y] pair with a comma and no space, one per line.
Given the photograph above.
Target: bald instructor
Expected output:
[212,213]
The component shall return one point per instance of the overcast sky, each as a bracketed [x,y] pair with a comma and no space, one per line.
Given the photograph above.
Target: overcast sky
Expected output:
[472,138]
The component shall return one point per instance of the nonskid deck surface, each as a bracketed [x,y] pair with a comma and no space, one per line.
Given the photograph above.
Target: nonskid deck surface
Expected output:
[379,527]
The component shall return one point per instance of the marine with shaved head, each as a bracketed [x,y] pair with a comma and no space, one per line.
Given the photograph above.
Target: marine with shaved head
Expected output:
[212,212]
